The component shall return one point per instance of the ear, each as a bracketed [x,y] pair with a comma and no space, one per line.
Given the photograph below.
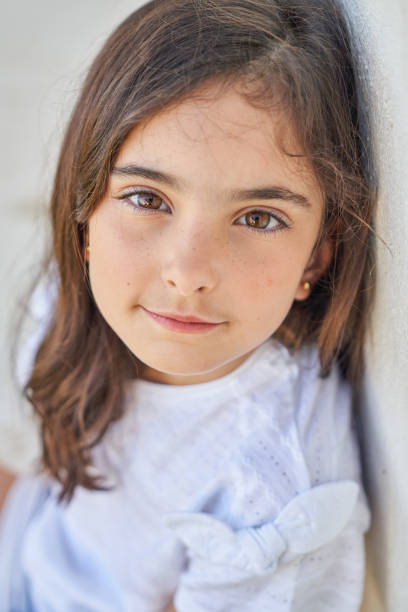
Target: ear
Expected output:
[316,267]
[86,242]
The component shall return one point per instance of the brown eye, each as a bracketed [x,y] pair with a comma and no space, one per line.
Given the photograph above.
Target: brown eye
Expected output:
[262,221]
[258,219]
[145,199]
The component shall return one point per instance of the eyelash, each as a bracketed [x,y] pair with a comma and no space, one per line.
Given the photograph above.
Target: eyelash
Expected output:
[125,198]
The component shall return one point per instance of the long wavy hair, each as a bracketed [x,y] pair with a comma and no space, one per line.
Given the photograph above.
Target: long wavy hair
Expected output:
[294,53]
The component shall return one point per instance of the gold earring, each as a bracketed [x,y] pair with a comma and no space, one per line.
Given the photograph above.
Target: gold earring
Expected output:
[306,286]
[88,249]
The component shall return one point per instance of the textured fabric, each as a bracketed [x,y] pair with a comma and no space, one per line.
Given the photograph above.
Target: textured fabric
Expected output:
[242,493]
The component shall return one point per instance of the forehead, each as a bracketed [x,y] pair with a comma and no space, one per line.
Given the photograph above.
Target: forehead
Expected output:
[217,139]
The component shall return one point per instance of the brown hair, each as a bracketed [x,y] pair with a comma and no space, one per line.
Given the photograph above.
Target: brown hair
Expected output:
[296,52]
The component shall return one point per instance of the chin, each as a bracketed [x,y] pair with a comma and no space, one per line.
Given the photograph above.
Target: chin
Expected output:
[181,366]
[182,369]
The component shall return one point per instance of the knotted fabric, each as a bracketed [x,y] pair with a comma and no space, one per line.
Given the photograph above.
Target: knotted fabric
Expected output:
[310,520]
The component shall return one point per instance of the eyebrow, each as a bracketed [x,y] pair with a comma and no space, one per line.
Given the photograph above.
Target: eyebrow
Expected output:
[236,195]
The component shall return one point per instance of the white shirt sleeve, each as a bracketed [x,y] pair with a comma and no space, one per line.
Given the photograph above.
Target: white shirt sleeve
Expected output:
[309,557]
[332,577]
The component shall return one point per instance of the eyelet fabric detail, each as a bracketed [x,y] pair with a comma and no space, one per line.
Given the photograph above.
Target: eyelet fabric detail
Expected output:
[310,520]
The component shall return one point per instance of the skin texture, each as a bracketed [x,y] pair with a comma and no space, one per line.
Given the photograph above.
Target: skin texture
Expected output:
[196,250]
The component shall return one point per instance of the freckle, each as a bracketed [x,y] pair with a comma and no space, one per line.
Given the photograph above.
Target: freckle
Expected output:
[128,284]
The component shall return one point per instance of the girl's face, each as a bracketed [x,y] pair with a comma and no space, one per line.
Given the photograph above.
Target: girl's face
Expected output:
[204,216]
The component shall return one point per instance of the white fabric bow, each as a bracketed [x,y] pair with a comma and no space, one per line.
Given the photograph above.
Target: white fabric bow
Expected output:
[308,521]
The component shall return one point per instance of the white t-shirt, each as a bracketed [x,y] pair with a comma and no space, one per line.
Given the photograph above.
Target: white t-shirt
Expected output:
[238,494]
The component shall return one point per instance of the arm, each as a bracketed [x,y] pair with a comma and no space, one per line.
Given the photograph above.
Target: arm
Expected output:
[6,480]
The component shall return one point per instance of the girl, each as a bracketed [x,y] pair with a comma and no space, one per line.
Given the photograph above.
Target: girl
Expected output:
[211,251]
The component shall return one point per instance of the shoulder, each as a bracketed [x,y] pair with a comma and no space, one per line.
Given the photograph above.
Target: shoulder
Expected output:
[299,431]
[324,419]
[39,316]
[295,408]
[291,431]
[327,400]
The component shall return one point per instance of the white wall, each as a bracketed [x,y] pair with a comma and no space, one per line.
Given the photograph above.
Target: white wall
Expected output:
[381,27]
[45,48]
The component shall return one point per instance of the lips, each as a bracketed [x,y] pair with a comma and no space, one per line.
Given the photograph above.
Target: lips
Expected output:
[182,323]
[183,318]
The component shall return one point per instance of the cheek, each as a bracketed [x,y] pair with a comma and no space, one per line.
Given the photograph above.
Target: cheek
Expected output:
[272,270]
[119,257]
[265,286]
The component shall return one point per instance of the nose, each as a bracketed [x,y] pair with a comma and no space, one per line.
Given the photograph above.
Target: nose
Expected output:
[190,263]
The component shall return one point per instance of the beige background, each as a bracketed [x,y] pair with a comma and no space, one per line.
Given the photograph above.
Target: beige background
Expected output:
[45,49]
